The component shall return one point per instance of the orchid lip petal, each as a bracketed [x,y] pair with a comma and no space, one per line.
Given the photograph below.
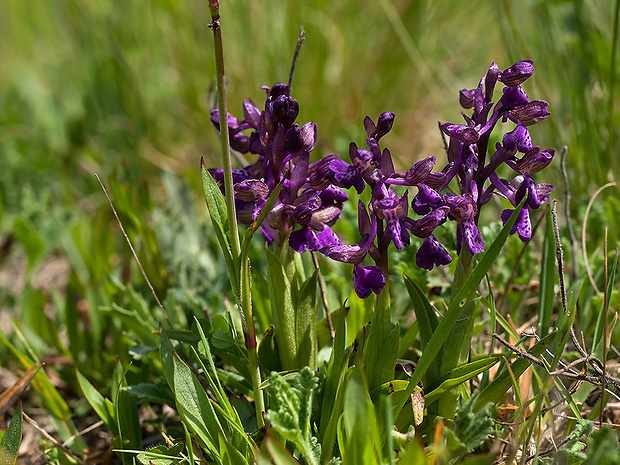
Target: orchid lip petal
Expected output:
[431,253]
[367,279]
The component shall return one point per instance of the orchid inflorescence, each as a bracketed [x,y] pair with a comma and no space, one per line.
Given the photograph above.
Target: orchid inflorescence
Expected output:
[312,195]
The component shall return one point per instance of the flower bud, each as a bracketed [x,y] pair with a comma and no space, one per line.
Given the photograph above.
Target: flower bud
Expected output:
[517,73]
[285,110]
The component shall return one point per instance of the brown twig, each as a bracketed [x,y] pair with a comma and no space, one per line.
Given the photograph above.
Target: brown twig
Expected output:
[135,255]
[53,440]
[605,303]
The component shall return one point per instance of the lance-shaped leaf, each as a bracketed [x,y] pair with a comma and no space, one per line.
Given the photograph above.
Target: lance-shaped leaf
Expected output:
[12,438]
[219,218]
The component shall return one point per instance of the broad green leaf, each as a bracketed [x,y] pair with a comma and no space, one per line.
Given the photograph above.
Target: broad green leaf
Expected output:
[444,328]
[359,422]
[471,427]
[455,351]
[305,323]
[12,438]
[102,406]
[195,408]
[282,310]
[381,347]
[460,375]
[239,440]
[333,390]
[425,313]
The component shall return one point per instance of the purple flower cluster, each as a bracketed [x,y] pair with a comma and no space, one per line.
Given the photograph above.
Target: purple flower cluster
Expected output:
[283,149]
[312,195]
[477,173]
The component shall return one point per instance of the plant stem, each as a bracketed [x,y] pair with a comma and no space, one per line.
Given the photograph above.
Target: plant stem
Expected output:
[249,336]
[224,134]
[242,263]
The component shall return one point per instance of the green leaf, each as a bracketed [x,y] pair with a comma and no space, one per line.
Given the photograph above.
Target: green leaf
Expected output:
[238,439]
[126,411]
[460,375]
[268,355]
[103,407]
[603,447]
[305,323]
[292,408]
[162,455]
[195,408]
[444,328]
[471,427]
[362,443]
[455,351]
[546,295]
[216,205]
[33,245]
[157,393]
[165,354]
[282,310]
[425,313]
[333,391]
[381,347]
[230,455]
[12,438]
[278,454]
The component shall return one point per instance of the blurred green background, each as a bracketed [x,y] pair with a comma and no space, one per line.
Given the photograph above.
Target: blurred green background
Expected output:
[124,90]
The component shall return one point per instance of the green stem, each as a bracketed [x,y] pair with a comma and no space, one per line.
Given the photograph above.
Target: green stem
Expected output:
[249,336]
[224,134]
[242,294]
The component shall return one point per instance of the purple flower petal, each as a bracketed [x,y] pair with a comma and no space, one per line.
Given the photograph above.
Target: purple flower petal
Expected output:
[367,279]
[531,113]
[514,97]
[466,98]
[522,225]
[418,173]
[534,161]
[458,131]
[431,253]
[472,236]
[308,239]
[517,73]
[518,139]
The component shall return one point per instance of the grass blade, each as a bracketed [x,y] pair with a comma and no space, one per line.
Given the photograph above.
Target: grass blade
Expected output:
[12,438]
